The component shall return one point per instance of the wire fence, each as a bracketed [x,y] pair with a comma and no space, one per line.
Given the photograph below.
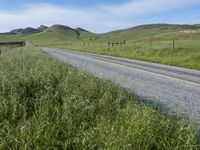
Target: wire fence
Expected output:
[148,44]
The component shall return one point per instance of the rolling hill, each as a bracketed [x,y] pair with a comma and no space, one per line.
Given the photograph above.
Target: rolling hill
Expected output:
[48,35]
[146,31]
[27,30]
[58,34]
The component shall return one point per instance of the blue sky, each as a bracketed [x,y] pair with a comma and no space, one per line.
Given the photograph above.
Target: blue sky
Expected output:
[96,15]
[12,4]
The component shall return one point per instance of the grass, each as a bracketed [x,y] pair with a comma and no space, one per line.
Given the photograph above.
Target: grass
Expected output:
[147,43]
[140,32]
[186,53]
[3,50]
[45,104]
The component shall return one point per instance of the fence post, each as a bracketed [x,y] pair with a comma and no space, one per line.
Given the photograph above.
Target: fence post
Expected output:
[173,46]
[150,43]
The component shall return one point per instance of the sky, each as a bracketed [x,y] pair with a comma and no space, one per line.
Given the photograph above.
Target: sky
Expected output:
[98,16]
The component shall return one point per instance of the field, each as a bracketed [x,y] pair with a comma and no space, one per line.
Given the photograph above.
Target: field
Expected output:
[152,43]
[172,48]
[45,104]
[185,54]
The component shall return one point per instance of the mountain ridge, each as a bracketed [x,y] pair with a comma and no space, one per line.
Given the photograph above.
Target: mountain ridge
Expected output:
[60,33]
[144,26]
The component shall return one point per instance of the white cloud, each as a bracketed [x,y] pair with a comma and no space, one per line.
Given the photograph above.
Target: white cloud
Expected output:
[98,19]
[144,7]
[47,14]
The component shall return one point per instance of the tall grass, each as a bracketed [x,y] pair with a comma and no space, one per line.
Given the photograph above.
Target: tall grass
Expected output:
[3,50]
[45,104]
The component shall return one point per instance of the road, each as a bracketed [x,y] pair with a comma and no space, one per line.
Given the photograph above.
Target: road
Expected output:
[175,89]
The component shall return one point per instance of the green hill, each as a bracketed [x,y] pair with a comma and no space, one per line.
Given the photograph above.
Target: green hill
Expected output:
[28,30]
[58,34]
[86,35]
[145,31]
[55,34]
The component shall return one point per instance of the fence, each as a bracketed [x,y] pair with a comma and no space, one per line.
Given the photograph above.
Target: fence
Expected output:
[168,44]
[5,46]
[116,43]
[147,44]
[15,44]
[155,44]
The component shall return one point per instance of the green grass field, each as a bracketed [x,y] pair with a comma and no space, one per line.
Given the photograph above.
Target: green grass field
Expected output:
[186,53]
[45,104]
[152,43]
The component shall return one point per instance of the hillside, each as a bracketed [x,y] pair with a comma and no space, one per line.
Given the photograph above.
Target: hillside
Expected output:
[58,34]
[28,30]
[48,35]
[145,31]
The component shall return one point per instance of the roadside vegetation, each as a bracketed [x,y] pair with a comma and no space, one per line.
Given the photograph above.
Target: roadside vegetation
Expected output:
[46,104]
[185,54]
[3,50]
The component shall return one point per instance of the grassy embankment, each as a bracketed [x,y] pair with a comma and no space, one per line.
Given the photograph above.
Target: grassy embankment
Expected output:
[45,104]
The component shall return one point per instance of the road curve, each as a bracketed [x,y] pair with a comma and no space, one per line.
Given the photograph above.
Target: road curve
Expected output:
[174,88]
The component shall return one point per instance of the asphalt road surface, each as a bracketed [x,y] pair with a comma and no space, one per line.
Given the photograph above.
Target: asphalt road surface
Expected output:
[175,89]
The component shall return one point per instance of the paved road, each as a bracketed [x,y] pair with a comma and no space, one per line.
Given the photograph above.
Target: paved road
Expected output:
[174,88]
